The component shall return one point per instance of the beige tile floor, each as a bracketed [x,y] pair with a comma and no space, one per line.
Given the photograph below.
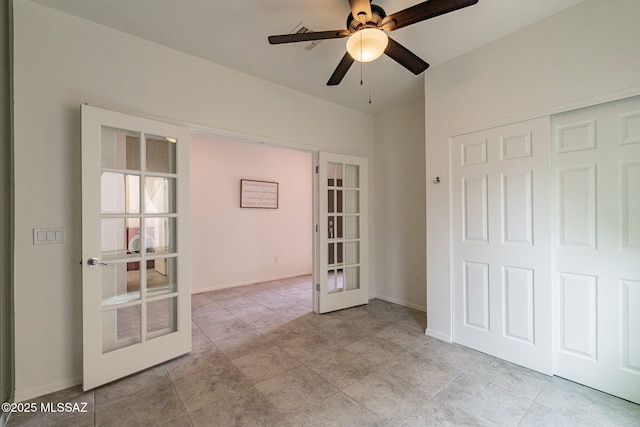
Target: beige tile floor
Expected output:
[262,358]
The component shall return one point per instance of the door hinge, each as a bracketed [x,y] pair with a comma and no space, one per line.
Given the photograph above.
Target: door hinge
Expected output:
[317,287]
[317,169]
[317,230]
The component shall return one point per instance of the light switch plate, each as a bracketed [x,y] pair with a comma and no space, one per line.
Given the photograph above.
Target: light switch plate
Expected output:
[48,236]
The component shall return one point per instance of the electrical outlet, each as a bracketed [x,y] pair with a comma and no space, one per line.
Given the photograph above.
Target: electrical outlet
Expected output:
[416,280]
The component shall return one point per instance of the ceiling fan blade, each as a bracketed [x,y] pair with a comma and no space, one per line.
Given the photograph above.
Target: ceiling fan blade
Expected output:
[422,11]
[341,70]
[361,10]
[405,57]
[305,37]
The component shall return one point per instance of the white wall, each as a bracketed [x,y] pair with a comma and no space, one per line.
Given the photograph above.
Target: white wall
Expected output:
[62,61]
[400,208]
[585,52]
[235,246]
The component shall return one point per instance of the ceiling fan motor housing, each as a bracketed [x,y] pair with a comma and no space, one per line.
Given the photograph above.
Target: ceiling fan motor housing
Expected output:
[378,14]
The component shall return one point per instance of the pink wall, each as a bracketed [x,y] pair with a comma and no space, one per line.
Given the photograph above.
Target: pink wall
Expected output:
[231,245]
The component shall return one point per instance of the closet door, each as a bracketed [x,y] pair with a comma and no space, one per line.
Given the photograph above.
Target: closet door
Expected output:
[500,242]
[596,160]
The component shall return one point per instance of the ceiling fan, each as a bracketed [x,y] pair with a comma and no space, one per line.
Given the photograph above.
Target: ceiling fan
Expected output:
[367,25]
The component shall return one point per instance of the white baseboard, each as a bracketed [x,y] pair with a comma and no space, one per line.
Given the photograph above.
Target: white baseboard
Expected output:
[249,282]
[403,303]
[21,396]
[438,335]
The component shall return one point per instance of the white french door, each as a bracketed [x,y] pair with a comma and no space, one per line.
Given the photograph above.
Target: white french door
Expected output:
[135,244]
[596,158]
[500,242]
[341,267]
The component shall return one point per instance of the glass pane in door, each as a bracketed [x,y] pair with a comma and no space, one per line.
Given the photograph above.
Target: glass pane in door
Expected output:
[335,174]
[332,227]
[331,254]
[352,227]
[331,201]
[352,278]
[159,195]
[119,149]
[339,227]
[114,233]
[162,276]
[339,201]
[352,201]
[120,283]
[352,176]
[331,174]
[161,235]
[352,253]
[161,154]
[161,319]
[339,252]
[120,328]
[120,193]
[335,281]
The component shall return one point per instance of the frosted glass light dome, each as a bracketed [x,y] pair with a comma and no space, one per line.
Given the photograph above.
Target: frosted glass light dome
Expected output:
[367,44]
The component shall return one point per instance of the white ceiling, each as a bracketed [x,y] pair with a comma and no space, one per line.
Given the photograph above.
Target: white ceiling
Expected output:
[234,33]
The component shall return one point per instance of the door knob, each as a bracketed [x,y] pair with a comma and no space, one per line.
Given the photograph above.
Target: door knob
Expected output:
[92,262]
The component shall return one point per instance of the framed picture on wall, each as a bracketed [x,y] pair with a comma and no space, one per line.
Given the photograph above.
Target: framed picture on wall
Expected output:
[258,194]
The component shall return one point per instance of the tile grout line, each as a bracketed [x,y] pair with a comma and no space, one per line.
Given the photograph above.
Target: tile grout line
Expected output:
[534,401]
[173,385]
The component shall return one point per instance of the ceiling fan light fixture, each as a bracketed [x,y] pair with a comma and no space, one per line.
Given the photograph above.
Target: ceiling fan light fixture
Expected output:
[367,44]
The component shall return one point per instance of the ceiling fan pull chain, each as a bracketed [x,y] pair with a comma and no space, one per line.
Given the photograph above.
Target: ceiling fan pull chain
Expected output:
[369,69]
[360,58]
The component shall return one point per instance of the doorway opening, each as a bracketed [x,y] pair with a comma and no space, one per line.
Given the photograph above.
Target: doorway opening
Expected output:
[233,245]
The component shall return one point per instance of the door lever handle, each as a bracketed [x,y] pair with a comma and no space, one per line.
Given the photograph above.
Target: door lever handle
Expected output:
[93,262]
